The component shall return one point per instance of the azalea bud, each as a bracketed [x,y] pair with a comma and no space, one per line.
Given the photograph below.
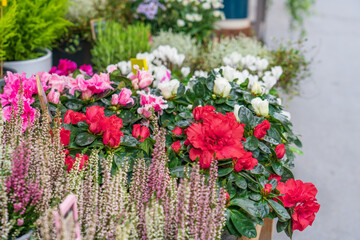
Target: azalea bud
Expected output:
[257,89]
[222,87]
[115,99]
[169,89]
[267,189]
[236,112]
[176,146]
[280,151]
[261,107]
[177,131]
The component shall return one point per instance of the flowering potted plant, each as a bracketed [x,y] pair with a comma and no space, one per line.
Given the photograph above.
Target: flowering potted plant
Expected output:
[192,17]
[31,28]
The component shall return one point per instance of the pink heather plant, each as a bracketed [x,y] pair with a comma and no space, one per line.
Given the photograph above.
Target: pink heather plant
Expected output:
[142,79]
[149,103]
[123,99]
[23,191]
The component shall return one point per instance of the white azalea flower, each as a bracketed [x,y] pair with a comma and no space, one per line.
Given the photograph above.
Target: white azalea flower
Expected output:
[261,107]
[169,88]
[236,112]
[222,87]
[185,71]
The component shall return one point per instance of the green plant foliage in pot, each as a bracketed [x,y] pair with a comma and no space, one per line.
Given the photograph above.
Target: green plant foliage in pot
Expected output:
[29,26]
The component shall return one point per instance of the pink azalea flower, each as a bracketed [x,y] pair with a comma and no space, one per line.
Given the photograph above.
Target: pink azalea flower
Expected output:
[115,99]
[111,68]
[99,83]
[142,79]
[125,97]
[86,69]
[53,96]
[151,102]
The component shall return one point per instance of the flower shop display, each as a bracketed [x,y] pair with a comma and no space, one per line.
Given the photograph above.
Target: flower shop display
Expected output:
[30,29]
[155,205]
[115,116]
[124,42]
[193,17]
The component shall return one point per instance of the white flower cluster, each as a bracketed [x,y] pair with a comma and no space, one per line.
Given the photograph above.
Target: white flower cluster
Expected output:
[193,17]
[253,63]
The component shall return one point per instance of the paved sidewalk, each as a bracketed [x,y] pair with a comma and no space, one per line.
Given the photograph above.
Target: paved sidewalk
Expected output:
[327,115]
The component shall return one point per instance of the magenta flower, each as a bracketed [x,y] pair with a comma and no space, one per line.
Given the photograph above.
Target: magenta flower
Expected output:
[65,68]
[87,69]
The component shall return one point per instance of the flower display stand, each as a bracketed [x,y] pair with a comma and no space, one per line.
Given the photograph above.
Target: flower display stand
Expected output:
[263,232]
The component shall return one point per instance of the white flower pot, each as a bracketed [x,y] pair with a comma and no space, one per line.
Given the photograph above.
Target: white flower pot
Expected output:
[32,66]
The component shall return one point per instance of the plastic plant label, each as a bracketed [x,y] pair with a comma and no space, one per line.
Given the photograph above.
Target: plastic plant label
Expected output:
[4,3]
[139,62]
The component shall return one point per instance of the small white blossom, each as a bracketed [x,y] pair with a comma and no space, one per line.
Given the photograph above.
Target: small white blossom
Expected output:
[185,71]
[261,107]
[222,87]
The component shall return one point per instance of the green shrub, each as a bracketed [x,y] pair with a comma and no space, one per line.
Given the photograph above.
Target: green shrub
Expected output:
[183,42]
[115,43]
[296,67]
[215,53]
[31,25]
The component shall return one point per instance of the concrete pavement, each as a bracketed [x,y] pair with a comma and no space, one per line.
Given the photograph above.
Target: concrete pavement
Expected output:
[327,115]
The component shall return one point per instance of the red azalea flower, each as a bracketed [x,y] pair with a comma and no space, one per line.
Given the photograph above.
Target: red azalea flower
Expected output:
[274,176]
[304,215]
[176,146]
[227,195]
[301,196]
[280,151]
[65,136]
[94,117]
[69,161]
[112,138]
[260,130]
[140,132]
[296,192]
[200,113]
[267,189]
[177,131]
[207,138]
[245,162]
[112,122]
[72,117]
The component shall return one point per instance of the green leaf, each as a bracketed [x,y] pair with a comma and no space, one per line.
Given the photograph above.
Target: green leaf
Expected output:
[263,209]
[178,171]
[240,181]
[264,148]
[245,115]
[182,123]
[251,143]
[199,90]
[186,115]
[147,145]
[295,150]
[246,204]
[281,226]
[280,210]
[84,139]
[128,141]
[277,167]
[270,140]
[242,224]
[224,171]
[73,105]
